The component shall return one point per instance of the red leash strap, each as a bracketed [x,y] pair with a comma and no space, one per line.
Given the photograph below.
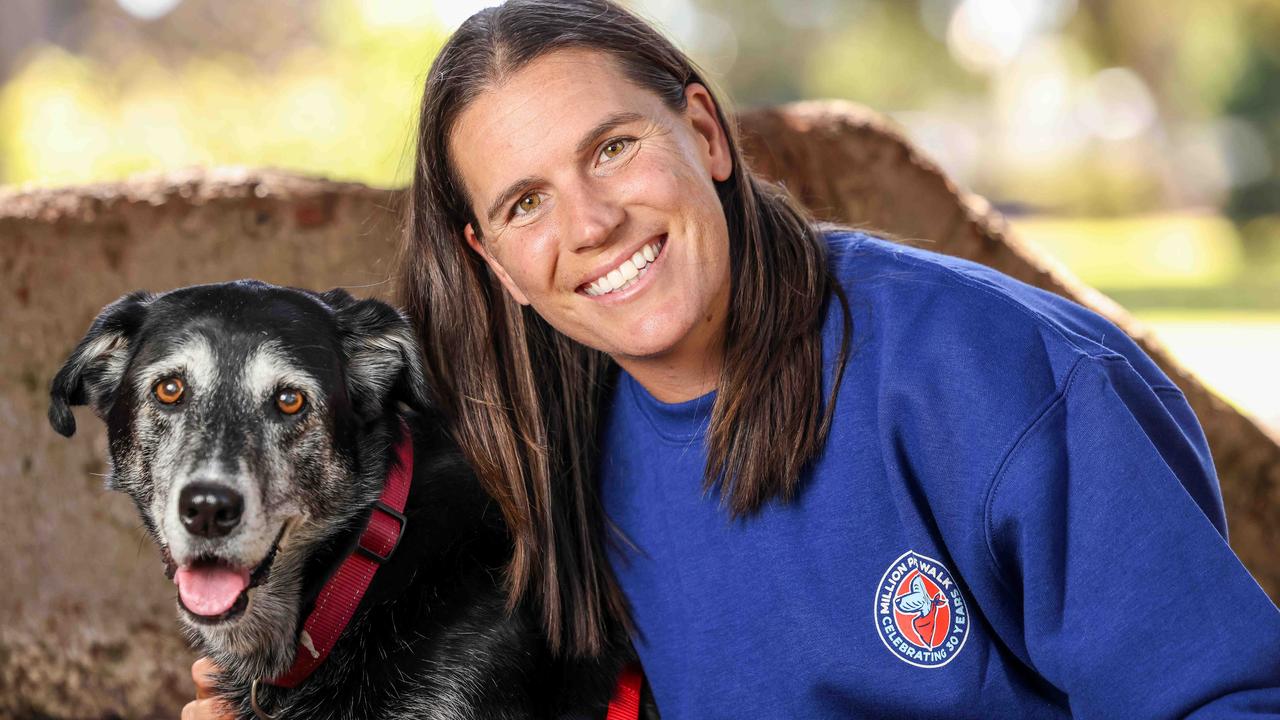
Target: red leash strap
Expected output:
[625,704]
[338,599]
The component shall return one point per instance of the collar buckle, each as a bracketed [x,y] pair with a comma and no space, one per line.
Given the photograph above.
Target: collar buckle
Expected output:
[376,535]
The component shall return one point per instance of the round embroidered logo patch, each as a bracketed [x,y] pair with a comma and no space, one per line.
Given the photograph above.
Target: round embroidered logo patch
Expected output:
[920,613]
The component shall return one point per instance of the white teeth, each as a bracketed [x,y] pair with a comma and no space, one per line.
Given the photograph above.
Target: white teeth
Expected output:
[627,272]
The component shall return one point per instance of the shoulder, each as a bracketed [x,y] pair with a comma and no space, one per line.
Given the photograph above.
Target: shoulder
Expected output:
[969,315]
[951,361]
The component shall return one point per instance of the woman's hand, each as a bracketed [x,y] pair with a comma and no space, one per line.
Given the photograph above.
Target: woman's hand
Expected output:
[205,706]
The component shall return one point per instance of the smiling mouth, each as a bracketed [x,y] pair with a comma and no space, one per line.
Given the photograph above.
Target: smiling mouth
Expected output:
[213,591]
[628,272]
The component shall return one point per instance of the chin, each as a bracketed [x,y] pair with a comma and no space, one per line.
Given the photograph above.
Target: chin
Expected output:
[656,337]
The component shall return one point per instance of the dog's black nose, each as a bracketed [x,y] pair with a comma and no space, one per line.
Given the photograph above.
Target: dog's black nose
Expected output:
[210,510]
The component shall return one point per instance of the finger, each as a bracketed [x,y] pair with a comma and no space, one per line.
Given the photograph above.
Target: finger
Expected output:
[202,673]
[211,709]
[200,710]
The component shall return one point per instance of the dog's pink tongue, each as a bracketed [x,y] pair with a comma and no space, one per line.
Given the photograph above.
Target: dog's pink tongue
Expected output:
[210,590]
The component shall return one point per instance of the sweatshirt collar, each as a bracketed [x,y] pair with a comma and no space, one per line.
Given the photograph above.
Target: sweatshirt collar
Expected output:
[680,422]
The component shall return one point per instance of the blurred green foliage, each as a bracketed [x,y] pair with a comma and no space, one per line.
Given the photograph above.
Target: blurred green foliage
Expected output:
[341,103]
[1137,140]
[1087,108]
[1063,106]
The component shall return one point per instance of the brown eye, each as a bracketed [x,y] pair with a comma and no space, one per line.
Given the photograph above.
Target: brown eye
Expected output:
[169,390]
[613,149]
[290,401]
[528,203]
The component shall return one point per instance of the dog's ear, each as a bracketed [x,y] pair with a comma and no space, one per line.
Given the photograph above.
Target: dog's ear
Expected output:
[382,356]
[93,372]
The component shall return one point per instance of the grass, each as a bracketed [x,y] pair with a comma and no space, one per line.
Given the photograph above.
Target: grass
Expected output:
[1183,250]
[1185,276]
[1235,353]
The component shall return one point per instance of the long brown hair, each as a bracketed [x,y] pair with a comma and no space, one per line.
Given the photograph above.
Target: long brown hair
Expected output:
[526,401]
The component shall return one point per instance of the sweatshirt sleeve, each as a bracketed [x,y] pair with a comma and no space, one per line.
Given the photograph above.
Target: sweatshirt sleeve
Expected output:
[1105,523]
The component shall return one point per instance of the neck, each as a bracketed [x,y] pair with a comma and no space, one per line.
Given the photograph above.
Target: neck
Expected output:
[673,382]
[687,371]
[682,373]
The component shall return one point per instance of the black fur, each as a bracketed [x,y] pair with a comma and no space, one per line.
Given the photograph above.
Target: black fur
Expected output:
[432,637]
[86,378]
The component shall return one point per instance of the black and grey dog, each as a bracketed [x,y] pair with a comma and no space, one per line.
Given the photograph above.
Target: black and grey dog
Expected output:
[254,426]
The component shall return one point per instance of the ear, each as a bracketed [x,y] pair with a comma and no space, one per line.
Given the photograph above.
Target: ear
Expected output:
[383,360]
[700,111]
[478,245]
[92,374]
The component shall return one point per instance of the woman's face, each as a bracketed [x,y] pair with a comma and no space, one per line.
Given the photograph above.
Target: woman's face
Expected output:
[596,205]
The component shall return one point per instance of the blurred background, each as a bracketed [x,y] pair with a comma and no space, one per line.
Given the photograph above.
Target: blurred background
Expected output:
[1138,141]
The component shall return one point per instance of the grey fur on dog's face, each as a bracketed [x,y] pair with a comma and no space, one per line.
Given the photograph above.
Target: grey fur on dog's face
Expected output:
[227,431]
[235,347]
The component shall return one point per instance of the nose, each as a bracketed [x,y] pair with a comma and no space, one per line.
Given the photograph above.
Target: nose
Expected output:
[596,214]
[210,510]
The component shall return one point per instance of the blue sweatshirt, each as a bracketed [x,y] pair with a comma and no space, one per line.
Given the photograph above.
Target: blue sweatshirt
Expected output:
[1015,515]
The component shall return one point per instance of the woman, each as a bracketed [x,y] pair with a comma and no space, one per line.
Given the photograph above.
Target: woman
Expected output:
[816,474]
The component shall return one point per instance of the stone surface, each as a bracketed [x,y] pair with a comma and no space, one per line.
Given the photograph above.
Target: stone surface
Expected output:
[87,623]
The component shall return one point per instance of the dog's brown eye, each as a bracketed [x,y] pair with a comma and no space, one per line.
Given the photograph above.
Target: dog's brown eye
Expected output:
[290,401]
[169,390]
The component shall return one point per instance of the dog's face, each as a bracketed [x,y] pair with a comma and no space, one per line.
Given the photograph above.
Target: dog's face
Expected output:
[234,414]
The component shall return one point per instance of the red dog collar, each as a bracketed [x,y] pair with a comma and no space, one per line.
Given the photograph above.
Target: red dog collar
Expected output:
[339,598]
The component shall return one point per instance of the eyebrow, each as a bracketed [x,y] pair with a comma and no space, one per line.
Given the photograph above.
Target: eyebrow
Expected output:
[588,139]
[609,123]
[506,195]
